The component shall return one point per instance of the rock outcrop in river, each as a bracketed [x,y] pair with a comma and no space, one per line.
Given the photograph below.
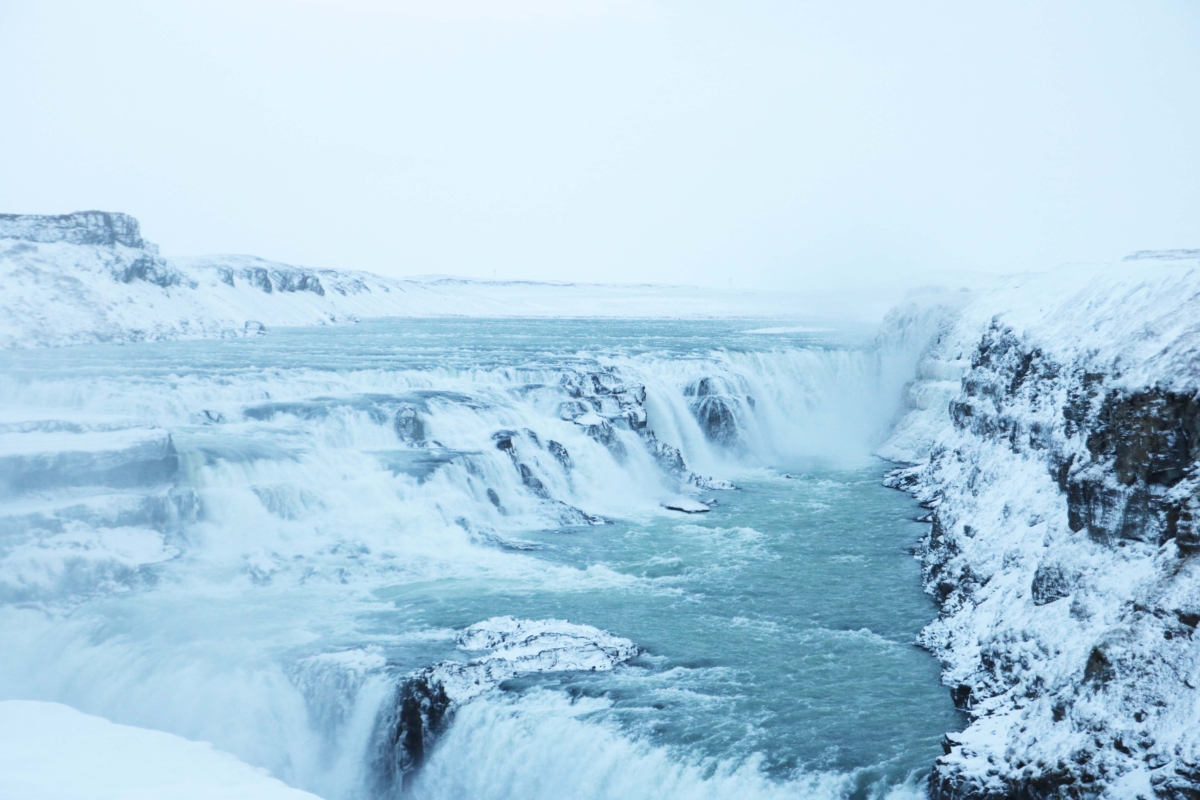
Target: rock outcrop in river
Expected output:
[507,648]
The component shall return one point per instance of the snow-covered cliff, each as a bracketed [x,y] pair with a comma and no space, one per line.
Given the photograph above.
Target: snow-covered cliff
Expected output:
[90,277]
[1055,427]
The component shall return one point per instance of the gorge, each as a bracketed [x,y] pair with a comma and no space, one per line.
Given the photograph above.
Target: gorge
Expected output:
[439,556]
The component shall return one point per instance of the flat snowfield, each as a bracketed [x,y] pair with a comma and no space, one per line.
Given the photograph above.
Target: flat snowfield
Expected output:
[49,751]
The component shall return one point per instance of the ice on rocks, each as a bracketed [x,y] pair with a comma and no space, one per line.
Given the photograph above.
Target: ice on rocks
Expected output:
[507,648]
[686,504]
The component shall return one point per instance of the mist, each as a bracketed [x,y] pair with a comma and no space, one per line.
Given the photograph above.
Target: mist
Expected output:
[794,146]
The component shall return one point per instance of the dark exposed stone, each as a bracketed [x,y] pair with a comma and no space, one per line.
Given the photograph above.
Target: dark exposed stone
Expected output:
[150,269]
[504,441]
[1141,445]
[1099,668]
[560,453]
[258,276]
[409,425]
[668,457]
[962,696]
[420,713]
[532,482]
[1151,436]
[82,227]
[717,408]
[604,433]
[1049,584]
[718,419]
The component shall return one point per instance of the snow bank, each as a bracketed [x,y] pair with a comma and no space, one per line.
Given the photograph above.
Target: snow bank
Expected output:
[1055,426]
[50,751]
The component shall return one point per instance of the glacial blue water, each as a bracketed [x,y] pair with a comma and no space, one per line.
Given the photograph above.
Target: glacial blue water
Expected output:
[267,587]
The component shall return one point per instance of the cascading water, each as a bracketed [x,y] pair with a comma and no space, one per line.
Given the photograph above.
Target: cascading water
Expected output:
[276,545]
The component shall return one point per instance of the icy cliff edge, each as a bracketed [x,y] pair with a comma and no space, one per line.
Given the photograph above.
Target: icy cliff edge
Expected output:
[1055,431]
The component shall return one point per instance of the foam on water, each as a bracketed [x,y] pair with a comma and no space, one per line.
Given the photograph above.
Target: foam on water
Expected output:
[296,550]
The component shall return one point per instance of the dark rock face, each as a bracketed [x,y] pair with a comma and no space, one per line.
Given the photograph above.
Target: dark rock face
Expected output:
[602,403]
[560,454]
[507,648]
[668,457]
[409,426]
[1140,446]
[274,278]
[532,482]
[718,419]
[83,227]
[1125,460]
[1049,584]
[513,443]
[407,732]
[150,269]
[718,408]
[603,432]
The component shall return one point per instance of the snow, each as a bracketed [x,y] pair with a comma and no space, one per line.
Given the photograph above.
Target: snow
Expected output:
[1002,516]
[686,505]
[525,647]
[89,277]
[50,751]
[590,418]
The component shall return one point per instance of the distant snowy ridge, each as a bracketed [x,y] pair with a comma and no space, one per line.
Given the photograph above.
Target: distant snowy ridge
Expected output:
[1055,426]
[91,277]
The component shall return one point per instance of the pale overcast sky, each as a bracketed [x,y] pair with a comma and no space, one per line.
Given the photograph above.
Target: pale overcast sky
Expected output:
[771,144]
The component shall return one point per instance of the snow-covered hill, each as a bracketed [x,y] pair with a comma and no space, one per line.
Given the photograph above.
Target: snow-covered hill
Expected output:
[1056,428]
[90,277]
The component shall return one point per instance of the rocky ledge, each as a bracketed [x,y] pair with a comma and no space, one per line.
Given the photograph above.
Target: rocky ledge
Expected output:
[507,648]
[105,228]
[1063,483]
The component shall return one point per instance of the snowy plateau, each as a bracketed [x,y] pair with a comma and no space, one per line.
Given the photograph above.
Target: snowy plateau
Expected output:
[1051,430]
[91,277]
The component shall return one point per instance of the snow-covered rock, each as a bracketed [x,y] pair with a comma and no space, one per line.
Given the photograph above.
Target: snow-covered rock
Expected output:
[508,647]
[49,751]
[685,504]
[82,227]
[1055,427]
